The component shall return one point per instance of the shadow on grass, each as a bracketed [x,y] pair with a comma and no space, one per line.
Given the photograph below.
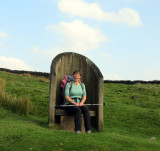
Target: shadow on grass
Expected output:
[42,122]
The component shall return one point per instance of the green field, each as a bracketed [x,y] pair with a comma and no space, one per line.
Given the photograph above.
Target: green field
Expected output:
[131,119]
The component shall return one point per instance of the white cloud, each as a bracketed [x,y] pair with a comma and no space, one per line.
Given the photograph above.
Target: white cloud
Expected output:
[1,44]
[75,36]
[107,56]
[134,1]
[45,52]
[113,62]
[3,34]
[83,9]
[13,64]
[112,77]
[151,75]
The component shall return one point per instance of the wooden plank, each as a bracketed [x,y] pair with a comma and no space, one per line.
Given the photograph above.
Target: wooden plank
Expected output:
[61,112]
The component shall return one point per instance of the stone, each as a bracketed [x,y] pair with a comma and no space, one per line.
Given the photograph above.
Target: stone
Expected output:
[153,138]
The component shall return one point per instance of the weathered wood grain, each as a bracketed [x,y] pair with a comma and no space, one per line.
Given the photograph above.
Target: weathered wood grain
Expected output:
[65,64]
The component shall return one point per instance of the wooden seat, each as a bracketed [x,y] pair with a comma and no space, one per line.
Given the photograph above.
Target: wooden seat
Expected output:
[66,120]
[61,112]
[65,64]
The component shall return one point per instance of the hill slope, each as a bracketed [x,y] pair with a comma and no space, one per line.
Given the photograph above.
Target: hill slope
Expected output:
[131,119]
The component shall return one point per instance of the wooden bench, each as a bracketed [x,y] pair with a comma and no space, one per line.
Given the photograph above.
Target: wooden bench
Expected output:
[65,64]
[66,120]
[61,112]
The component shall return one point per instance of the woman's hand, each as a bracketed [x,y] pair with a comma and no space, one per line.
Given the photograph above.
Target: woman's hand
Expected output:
[81,104]
[71,101]
[77,104]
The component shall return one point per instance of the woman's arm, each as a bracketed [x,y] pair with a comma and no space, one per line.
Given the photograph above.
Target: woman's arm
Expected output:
[84,95]
[71,101]
[83,100]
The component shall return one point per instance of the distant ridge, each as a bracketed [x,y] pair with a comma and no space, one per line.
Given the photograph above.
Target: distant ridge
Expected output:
[34,73]
[47,75]
[132,82]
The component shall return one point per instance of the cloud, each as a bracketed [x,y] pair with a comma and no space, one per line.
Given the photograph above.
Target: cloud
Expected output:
[75,36]
[13,64]
[151,74]
[134,1]
[83,9]
[1,44]
[107,57]
[45,52]
[112,77]
[3,34]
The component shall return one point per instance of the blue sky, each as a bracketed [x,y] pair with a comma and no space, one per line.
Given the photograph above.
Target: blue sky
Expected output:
[122,37]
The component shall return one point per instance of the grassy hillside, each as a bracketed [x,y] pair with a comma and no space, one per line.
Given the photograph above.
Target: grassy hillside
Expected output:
[131,119]
[34,88]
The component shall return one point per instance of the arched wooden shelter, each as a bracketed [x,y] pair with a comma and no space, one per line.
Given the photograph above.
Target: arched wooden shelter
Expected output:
[65,64]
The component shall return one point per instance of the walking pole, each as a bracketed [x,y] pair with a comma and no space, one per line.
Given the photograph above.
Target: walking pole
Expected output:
[84,104]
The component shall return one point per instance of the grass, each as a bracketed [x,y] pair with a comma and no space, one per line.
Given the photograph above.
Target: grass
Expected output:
[135,115]
[36,89]
[131,120]
[31,133]
[20,105]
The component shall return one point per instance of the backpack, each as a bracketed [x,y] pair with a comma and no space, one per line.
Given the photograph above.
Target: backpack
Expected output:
[67,79]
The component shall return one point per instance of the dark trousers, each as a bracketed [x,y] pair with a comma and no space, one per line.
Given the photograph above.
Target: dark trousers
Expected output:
[76,111]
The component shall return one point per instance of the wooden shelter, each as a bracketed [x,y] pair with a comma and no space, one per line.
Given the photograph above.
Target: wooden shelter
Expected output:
[65,64]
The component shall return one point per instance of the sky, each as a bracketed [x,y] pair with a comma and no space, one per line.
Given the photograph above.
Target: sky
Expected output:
[122,37]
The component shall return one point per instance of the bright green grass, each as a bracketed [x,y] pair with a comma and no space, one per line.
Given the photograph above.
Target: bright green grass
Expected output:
[31,133]
[139,115]
[131,118]
[36,89]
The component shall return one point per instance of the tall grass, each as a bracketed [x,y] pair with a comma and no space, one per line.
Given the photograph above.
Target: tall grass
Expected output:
[35,88]
[40,78]
[20,105]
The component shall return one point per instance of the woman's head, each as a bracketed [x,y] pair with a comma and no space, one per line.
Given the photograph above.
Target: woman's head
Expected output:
[77,72]
[77,75]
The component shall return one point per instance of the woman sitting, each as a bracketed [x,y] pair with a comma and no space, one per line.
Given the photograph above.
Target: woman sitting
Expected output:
[75,94]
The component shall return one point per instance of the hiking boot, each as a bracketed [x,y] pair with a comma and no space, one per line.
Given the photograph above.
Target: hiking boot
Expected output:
[78,132]
[89,131]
